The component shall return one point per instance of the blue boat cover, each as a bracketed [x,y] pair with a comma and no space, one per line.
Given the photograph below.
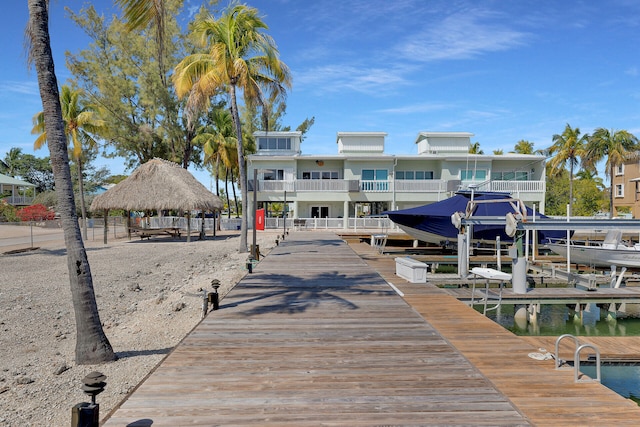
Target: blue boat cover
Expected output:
[435,218]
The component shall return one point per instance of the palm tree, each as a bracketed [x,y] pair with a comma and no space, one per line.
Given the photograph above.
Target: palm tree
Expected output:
[567,147]
[475,148]
[498,152]
[242,58]
[216,141]
[141,13]
[523,147]
[79,122]
[9,165]
[92,345]
[617,146]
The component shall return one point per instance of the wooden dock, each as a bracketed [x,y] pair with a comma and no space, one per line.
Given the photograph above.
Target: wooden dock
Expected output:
[315,336]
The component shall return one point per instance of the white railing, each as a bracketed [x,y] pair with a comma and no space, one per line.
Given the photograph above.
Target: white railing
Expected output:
[420,186]
[19,200]
[276,186]
[322,185]
[373,186]
[518,186]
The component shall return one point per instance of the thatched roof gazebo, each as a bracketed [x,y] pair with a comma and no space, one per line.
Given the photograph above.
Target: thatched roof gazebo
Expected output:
[158,185]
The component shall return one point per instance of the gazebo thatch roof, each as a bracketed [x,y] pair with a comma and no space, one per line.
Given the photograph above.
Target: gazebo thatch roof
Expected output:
[158,185]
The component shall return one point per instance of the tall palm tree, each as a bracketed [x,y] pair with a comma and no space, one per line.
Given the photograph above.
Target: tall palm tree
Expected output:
[523,147]
[92,345]
[568,147]
[142,13]
[475,148]
[80,121]
[9,164]
[617,146]
[240,57]
[216,140]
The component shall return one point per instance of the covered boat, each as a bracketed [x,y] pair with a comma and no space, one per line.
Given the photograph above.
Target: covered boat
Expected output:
[432,223]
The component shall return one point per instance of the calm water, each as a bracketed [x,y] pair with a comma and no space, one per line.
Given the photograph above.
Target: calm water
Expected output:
[623,379]
[558,319]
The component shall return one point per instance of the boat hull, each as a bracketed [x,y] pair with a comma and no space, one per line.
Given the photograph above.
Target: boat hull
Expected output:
[598,256]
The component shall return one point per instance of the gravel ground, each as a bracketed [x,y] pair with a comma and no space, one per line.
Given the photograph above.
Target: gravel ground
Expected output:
[149,297]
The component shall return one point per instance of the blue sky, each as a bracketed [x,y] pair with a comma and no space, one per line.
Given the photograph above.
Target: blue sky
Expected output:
[502,70]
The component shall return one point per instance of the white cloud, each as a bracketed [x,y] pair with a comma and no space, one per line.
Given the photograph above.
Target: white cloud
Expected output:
[462,35]
[336,78]
[25,88]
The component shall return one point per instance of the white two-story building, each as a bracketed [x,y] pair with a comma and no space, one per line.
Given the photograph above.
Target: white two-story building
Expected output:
[361,179]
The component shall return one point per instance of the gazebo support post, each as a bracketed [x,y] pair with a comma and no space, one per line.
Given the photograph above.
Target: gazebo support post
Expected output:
[128,224]
[202,235]
[188,226]
[105,229]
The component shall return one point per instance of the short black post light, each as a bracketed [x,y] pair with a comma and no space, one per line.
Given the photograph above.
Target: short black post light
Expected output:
[214,297]
[250,264]
[88,414]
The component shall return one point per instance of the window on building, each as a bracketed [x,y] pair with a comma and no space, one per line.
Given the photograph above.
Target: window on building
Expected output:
[620,170]
[274,175]
[375,174]
[473,175]
[272,143]
[619,190]
[320,175]
[510,176]
[416,175]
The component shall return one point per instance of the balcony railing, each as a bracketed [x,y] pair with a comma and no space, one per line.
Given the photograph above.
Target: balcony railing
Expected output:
[19,200]
[367,186]
[513,187]
[420,186]
[401,186]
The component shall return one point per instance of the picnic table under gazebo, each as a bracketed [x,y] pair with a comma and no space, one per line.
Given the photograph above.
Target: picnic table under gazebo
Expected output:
[158,185]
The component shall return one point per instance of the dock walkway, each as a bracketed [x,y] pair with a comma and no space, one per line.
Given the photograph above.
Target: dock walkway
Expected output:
[315,336]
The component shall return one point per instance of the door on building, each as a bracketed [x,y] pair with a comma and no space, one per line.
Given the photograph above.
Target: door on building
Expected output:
[319,211]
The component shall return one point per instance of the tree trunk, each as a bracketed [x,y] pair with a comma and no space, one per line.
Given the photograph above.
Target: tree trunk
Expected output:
[570,189]
[226,189]
[92,345]
[235,197]
[611,190]
[83,208]
[243,170]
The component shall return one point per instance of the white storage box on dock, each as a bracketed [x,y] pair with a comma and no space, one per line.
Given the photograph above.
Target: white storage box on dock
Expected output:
[411,270]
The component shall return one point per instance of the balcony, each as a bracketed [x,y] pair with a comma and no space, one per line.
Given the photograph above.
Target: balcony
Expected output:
[401,186]
[18,200]
[513,187]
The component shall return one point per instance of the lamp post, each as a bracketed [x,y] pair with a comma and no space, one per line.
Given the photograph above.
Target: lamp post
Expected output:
[255,212]
[284,215]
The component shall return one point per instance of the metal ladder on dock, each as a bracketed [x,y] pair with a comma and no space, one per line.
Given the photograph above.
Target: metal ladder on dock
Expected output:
[576,358]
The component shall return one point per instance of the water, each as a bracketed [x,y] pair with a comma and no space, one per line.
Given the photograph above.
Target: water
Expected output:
[558,319]
[623,379]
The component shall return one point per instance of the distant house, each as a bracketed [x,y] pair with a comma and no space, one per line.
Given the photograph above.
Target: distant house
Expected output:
[361,179]
[16,192]
[625,185]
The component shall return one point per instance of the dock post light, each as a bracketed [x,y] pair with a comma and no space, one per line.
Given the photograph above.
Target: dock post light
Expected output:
[214,297]
[88,414]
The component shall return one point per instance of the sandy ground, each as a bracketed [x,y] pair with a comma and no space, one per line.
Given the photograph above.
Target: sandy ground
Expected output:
[149,297]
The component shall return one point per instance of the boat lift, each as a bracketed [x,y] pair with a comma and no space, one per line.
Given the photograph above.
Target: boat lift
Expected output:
[521,225]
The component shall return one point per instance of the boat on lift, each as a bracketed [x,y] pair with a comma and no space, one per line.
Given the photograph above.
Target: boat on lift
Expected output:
[611,251]
[436,222]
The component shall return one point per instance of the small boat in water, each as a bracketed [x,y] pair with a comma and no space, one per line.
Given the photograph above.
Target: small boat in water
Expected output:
[612,251]
[433,222]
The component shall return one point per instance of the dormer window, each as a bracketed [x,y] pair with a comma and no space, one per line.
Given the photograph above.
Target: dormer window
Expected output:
[274,143]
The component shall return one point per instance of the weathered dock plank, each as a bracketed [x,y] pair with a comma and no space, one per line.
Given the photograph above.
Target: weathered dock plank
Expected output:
[315,337]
